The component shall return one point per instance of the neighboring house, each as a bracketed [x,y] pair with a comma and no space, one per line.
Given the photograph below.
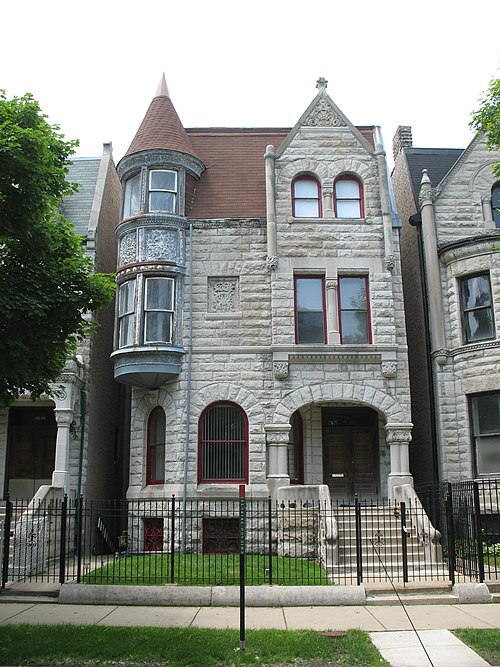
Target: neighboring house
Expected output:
[448,201]
[260,321]
[72,440]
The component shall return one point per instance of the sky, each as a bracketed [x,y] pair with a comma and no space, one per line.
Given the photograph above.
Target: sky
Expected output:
[94,66]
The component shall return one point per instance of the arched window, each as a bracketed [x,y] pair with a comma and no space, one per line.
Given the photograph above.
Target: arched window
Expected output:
[223,444]
[155,456]
[296,450]
[348,195]
[495,203]
[306,197]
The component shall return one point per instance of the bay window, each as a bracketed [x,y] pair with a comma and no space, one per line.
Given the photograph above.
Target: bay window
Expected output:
[162,190]
[126,313]
[158,310]
[132,196]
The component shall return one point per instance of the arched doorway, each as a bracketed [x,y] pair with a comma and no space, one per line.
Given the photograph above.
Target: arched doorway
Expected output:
[350,452]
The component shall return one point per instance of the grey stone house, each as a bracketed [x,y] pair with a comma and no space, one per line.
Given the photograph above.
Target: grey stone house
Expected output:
[71,440]
[260,320]
[448,201]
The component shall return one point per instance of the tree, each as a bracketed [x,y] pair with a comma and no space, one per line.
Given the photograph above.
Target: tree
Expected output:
[47,283]
[487,118]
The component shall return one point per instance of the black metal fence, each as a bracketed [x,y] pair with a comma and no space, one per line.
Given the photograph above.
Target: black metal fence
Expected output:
[197,542]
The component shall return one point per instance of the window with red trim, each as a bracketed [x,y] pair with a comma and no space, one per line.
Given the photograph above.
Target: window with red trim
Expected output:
[310,309]
[155,463]
[495,203]
[348,196]
[296,450]
[223,444]
[306,197]
[354,310]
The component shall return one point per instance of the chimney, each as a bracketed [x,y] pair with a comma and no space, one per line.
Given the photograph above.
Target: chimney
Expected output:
[402,139]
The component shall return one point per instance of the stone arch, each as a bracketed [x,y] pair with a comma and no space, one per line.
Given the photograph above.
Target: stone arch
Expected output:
[216,392]
[148,402]
[357,394]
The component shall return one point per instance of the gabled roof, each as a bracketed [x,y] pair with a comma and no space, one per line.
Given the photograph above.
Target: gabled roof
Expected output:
[78,206]
[437,161]
[161,127]
[323,112]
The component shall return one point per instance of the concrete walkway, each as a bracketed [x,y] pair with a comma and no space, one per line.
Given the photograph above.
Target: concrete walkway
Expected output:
[388,626]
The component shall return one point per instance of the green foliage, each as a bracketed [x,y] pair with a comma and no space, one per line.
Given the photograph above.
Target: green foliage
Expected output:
[47,283]
[196,647]
[487,118]
[484,642]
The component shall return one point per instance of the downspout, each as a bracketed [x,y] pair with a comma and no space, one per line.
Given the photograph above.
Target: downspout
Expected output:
[188,390]
[83,407]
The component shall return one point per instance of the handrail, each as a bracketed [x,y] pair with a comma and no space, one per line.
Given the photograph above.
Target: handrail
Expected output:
[430,537]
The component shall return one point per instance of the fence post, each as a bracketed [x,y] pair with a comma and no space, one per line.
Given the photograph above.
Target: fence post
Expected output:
[6,541]
[450,530]
[359,546]
[62,548]
[404,541]
[79,514]
[242,564]
[477,526]
[270,538]
[172,541]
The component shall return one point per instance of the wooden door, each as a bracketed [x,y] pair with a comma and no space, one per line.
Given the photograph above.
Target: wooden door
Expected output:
[349,461]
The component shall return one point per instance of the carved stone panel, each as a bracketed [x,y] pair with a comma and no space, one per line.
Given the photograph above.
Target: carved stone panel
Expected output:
[223,294]
[128,249]
[323,115]
[160,244]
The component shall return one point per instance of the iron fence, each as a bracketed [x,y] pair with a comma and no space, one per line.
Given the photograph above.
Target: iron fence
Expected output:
[198,542]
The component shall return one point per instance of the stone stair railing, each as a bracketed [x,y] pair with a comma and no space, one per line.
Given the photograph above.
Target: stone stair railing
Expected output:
[428,536]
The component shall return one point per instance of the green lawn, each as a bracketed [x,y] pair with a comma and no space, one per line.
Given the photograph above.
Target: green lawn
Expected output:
[169,647]
[207,569]
[484,642]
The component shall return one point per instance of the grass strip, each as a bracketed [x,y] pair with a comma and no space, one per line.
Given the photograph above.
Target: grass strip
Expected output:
[484,642]
[91,646]
[208,570]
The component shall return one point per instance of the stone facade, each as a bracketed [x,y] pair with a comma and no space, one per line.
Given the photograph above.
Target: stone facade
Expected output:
[455,238]
[239,345]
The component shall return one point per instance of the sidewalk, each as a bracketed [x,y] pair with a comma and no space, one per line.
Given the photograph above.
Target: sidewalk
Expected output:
[388,626]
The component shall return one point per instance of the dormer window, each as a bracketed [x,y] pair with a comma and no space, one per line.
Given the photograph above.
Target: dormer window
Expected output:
[348,198]
[306,197]
[162,190]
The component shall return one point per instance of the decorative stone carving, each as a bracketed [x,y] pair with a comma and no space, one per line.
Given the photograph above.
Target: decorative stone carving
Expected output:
[60,393]
[128,249]
[272,263]
[389,262]
[277,437]
[395,435]
[389,369]
[161,244]
[280,370]
[223,295]
[323,115]
[427,194]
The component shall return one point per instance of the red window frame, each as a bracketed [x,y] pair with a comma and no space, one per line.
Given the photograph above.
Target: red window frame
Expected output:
[202,441]
[152,447]
[296,310]
[313,179]
[349,177]
[298,446]
[368,315]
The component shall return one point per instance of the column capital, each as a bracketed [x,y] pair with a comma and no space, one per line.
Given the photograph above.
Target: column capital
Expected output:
[395,434]
[277,434]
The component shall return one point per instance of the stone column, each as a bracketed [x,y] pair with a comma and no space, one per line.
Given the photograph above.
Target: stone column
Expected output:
[489,223]
[327,189]
[64,418]
[332,312]
[277,438]
[433,275]
[385,200]
[272,252]
[398,437]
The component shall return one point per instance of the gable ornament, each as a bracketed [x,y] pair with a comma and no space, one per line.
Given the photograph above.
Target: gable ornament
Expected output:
[323,115]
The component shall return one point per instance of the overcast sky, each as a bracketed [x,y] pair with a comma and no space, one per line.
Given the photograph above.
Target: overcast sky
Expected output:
[94,66]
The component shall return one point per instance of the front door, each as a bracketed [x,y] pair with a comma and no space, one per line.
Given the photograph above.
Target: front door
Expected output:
[350,462]
[30,451]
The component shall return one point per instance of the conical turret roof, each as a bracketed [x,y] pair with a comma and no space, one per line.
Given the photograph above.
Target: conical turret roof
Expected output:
[161,128]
